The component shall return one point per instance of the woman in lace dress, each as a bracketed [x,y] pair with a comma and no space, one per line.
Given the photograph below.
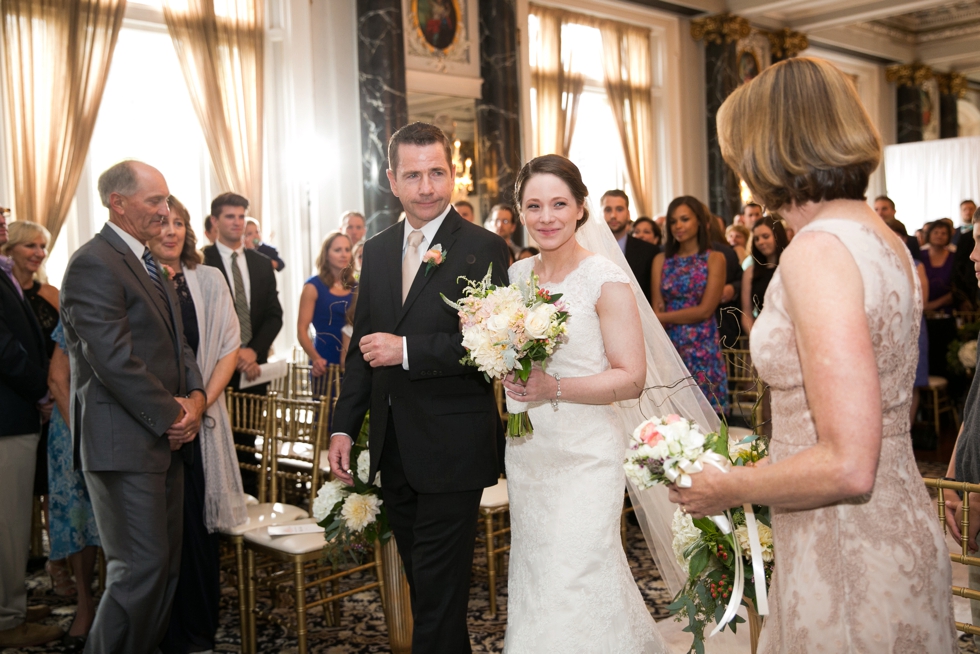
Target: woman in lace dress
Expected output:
[860,562]
[570,587]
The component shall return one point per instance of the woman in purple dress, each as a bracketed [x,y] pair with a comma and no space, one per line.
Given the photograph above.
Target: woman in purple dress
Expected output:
[938,262]
[688,278]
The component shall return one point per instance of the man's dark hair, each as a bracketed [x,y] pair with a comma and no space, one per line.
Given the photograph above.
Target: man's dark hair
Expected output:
[886,199]
[616,193]
[503,207]
[227,200]
[751,204]
[463,203]
[968,201]
[417,134]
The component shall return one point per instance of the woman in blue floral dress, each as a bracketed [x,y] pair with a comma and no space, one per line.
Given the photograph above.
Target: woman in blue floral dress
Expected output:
[73,531]
[688,279]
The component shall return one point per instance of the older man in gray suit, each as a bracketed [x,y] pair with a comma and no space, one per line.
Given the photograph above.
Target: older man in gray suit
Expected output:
[137,397]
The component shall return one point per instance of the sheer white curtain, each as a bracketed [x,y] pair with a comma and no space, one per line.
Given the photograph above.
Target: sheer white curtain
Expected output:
[929,179]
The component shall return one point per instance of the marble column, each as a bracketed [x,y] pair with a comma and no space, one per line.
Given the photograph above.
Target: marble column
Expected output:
[498,126]
[384,106]
[952,87]
[720,34]
[786,43]
[908,79]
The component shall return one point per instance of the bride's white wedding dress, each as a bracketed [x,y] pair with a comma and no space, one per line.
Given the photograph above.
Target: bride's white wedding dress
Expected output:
[570,585]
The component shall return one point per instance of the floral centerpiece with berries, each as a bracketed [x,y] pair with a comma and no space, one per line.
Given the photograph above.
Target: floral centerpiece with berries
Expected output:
[507,328]
[721,554]
[353,518]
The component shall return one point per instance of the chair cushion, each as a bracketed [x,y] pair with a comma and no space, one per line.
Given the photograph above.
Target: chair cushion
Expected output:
[937,382]
[292,544]
[495,496]
[250,500]
[264,515]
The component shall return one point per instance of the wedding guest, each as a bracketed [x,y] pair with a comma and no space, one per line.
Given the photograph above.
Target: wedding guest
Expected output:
[964,464]
[938,262]
[528,252]
[967,207]
[503,221]
[213,496]
[253,241]
[354,225]
[25,400]
[688,278]
[751,212]
[646,230]
[836,345]
[209,231]
[73,534]
[738,237]
[768,242]
[26,248]
[357,258]
[465,210]
[731,293]
[615,206]
[324,302]
[252,283]
[964,279]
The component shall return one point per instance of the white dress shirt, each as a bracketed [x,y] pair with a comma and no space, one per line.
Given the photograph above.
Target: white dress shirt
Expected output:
[225,253]
[130,240]
[622,242]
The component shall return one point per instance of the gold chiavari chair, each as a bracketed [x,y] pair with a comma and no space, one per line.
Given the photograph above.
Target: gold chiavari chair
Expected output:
[303,384]
[297,559]
[966,317]
[744,386]
[495,514]
[251,414]
[965,558]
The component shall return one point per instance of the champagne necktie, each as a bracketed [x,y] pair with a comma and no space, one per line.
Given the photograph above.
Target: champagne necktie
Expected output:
[241,301]
[410,264]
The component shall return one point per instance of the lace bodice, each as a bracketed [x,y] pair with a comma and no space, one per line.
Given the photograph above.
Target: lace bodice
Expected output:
[831,562]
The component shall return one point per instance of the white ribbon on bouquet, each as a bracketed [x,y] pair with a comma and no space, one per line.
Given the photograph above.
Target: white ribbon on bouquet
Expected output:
[682,477]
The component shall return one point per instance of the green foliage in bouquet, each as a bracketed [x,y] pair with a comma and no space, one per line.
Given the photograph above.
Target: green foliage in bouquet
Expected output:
[964,334]
[352,518]
[710,555]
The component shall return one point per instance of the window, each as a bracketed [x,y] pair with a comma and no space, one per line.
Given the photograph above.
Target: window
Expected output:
[145,114]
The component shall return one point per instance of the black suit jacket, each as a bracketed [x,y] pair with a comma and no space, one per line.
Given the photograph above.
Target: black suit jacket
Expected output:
[444,412]
[639,255]
[964,279]
[23,363]
[264,308]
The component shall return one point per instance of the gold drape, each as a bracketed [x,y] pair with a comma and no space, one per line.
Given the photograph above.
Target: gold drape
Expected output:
[627,63]
[222,58]
[558,86]
[56,56]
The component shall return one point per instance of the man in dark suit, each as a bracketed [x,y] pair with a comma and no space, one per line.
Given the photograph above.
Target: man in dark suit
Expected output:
[639,254]
[24,399]
[253,287]
[136,397]
[435,432]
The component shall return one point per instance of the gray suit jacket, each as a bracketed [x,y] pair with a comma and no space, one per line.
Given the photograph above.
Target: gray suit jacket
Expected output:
[129,359]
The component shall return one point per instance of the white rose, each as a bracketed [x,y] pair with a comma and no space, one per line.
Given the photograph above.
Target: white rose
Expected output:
[685,535]
[537,324]
[968,355]
[364,465]
[359,511]
[327,497]
[498,324]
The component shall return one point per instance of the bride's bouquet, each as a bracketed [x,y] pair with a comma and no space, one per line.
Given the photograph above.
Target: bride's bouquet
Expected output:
[728,558]
[507,328]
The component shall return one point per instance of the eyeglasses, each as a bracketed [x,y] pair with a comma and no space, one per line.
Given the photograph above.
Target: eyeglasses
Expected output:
[504,221]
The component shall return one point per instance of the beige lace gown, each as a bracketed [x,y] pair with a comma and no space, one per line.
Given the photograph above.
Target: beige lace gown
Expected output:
[870,574]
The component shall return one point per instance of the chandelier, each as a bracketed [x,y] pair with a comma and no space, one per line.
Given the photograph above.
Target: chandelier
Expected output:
[464,180]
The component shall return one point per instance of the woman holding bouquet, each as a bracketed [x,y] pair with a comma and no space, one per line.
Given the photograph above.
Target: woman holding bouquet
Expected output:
[570,586]
[860,562]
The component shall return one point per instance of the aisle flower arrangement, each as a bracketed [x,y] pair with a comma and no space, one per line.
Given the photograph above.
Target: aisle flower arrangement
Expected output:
[717,552]
[353,518]
[506,328]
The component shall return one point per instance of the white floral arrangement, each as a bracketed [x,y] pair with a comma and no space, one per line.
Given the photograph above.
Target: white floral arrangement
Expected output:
[353,517]
[968,354]
[506,328]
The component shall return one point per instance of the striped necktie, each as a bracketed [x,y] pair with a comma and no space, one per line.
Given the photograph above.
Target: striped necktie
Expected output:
[154,273]
[241,301]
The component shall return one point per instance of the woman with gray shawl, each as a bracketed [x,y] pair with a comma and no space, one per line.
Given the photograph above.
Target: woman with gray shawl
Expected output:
[213,496]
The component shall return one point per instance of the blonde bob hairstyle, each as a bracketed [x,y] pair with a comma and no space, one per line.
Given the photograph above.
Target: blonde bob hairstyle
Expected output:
[798,133]
[23,232]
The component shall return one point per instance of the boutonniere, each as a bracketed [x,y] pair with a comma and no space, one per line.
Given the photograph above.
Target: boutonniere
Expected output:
[168,272]
[433,258]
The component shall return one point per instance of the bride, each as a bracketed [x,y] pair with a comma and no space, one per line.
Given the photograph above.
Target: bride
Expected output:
[571,588]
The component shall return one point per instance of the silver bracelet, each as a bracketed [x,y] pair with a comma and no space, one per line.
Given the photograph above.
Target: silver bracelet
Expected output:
[554,402]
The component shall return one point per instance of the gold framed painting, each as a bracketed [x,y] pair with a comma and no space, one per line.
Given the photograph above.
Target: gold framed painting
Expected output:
[437,23]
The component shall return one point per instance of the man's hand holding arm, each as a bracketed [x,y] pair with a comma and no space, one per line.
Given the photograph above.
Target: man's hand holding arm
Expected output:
[188,423]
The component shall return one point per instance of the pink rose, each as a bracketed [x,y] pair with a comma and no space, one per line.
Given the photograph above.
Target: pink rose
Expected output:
[672,418]
[432,256]
[650,435]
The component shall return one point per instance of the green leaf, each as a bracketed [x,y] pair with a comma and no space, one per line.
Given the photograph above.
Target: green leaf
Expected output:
[699,562]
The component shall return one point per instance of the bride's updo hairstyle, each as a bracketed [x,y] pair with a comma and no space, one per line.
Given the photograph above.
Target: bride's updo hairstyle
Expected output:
[798,133]
[563,169]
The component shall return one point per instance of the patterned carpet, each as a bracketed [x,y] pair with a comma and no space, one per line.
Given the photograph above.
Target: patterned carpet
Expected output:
[362,629]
